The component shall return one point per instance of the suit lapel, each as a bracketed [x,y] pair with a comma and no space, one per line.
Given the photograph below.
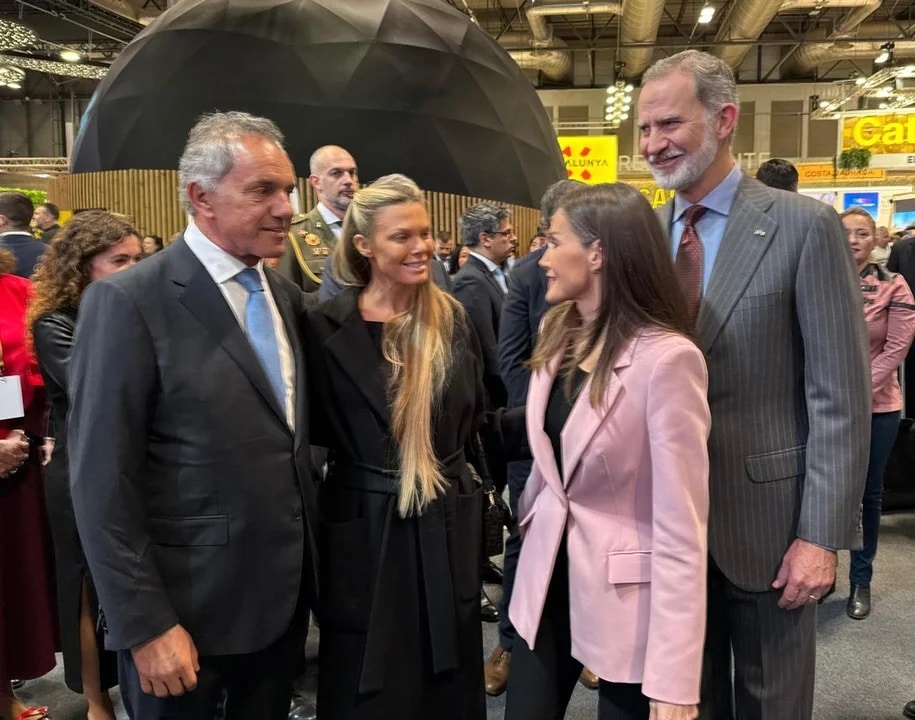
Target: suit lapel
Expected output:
[541,447]
[355,352]
[204,300]
[490,278]
[585,420]
[747,236]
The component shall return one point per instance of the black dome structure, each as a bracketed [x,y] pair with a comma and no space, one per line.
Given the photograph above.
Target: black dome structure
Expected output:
[407,86]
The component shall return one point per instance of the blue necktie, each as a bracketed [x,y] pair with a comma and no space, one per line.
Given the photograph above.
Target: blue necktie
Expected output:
[259,326]
[500,278]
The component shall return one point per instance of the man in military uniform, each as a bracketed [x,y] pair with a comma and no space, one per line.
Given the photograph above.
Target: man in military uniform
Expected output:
[312,236]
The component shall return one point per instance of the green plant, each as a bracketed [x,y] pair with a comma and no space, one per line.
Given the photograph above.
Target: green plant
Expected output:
[854,159]
[36,196]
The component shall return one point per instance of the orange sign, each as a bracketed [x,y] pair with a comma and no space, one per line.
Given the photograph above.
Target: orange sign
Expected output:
[824,172]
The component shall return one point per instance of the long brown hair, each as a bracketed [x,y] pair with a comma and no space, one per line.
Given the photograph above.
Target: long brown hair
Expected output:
[64,271]
[639,287]
[417,344]
[7,262]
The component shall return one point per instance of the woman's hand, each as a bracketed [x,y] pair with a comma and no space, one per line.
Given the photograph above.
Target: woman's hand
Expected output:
[667,711]
[14,450]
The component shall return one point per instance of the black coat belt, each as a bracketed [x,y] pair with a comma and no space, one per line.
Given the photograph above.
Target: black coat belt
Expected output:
[434,568]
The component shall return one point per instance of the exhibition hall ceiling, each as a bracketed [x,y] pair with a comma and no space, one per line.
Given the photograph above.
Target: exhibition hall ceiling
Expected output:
[559,43]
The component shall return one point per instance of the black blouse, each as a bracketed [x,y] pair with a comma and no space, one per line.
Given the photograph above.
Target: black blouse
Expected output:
[559,406]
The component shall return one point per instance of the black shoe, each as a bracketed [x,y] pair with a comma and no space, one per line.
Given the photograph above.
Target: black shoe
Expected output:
[832,589]
[488,612]
[909,710]
[492,574]
[859,603]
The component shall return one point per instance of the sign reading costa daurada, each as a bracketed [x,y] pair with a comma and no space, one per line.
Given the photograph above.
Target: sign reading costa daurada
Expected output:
[890,136]
[590,158]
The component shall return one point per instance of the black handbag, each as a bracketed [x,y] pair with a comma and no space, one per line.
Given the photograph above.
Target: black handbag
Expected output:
[497,517]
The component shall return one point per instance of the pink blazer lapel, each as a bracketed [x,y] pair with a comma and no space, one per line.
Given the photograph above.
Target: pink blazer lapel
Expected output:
[541,447]
[584,420]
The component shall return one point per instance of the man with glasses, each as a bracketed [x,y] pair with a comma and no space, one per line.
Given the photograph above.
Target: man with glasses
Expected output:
[480,286]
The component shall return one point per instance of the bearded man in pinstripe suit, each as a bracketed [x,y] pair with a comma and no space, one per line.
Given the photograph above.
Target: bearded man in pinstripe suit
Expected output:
[778,315]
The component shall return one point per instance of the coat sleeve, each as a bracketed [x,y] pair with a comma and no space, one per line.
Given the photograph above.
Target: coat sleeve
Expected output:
[113,378]
[900,327]
[515,340]
[837,384]
[53,339]
[678,429]
[330,287]
[479,310]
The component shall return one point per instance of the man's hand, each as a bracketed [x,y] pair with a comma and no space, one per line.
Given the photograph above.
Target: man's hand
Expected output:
[667,711]
[47,450]
[167,665]
[807,572]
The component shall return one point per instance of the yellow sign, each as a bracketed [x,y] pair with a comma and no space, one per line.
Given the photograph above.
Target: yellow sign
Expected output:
[590,158]
[881,134]
[657,196]
[824,172]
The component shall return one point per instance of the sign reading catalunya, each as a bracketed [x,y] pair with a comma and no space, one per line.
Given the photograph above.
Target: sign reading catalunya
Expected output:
[890,137]
[590,159]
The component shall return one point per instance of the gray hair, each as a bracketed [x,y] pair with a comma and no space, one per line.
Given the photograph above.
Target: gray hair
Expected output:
[209,154]
[552,199]
[484,217]
[715,83]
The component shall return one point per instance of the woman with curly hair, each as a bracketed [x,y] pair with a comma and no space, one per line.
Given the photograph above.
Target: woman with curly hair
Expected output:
[92,246]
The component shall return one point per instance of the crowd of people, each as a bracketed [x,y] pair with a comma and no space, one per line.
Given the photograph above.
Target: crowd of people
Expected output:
[277,416]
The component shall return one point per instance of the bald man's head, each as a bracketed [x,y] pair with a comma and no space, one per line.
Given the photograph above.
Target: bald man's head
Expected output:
[334,176]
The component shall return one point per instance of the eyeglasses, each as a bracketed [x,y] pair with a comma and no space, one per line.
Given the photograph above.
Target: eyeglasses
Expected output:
[507,233]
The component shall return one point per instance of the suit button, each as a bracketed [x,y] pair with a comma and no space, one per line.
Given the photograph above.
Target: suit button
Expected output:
[297,515]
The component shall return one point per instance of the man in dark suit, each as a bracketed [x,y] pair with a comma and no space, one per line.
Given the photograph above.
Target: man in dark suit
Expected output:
[480,286]
[16,212]
[189,455]
[524,307]
[770,278]
[313,236]
[45,219]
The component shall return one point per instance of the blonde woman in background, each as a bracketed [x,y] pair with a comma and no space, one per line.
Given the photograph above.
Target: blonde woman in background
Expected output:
[396,387]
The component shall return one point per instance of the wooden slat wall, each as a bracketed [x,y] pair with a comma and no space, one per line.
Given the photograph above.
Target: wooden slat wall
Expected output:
[150,199]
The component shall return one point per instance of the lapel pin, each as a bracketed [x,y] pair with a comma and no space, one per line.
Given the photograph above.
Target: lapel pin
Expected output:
[761,233]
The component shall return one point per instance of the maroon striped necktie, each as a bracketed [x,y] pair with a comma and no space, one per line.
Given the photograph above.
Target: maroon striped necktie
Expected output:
[689,262]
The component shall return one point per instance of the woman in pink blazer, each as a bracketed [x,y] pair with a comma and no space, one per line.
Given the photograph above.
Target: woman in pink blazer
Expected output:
[613,517]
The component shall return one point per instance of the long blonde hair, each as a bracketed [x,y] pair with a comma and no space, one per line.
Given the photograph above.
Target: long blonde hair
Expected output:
[417,344]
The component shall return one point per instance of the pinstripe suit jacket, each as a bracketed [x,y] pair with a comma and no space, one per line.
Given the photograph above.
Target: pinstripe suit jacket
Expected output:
[789,390]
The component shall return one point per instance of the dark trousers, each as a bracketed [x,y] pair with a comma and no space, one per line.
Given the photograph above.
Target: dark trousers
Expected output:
[517,478]
[542,680]
[773,650]
[884,428]
[256,686]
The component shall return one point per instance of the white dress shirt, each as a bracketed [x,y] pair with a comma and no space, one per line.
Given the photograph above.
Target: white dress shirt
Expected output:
[332,221]
[223,268]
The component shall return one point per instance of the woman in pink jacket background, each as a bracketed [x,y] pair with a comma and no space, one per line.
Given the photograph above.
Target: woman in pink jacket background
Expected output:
[890,316]
[613,561]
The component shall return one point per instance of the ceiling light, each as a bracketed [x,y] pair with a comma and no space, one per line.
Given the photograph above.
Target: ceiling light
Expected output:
[13,35]
[882,106]
[824,103]
[706,14]
[860,80]
[69,55]
[14,86]
[886,53]
[81,70]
